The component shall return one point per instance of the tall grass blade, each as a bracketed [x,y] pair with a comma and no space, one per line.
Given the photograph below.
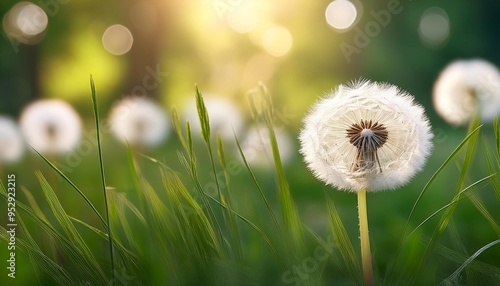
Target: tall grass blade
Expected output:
[82,269]
[66,224]
[481,207]
[424,190]
[233,224]
[457,198]
[289,211]
[493,163]
[453,277]
[496,131]
[259,231]
[341,238]
[257,185]
[203,116]
[446,217]
[47,265]
[471,276]
[103,178]
[60,173]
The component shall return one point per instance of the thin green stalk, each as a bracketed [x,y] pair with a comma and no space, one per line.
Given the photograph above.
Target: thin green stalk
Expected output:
[103,179]
[366,256]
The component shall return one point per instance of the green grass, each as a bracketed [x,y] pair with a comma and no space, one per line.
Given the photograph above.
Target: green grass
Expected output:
[162,226]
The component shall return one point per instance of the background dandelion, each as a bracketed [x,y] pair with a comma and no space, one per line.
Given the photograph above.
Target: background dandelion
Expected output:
[11,142]
[465,88]
[51,126]
[139,121]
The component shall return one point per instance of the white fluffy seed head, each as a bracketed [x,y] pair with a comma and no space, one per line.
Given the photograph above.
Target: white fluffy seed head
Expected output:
[223,114]
[139,121]
[386,157]
[465,88]
[51,126]
[11,142]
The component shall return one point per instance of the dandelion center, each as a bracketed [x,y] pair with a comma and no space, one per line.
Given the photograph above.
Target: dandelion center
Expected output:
[51,130]
[367,136]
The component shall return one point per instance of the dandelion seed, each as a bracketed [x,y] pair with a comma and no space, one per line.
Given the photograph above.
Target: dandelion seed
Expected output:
[51,126]
[11,142]
[366,136]
[223,114]
[465,88]
[139,121]
[256,146]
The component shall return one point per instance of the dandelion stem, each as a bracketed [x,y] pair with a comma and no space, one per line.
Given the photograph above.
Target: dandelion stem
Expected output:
[366,255]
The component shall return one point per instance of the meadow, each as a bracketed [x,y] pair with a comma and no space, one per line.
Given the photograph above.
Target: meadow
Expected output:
[195,211]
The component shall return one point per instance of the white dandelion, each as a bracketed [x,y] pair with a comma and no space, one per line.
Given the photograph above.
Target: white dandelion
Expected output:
[465,88]
[368,136]
[51,126]
[11,142]
[223,114]
[256,146]
[139,121]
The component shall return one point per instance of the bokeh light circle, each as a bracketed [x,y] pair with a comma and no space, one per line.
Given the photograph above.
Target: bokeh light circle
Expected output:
[117,40]
[25,22]
[434,26]
[277,41]
[341,14]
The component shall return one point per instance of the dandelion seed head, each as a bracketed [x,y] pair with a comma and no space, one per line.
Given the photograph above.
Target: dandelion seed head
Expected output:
[366,135]
[11,142]
[223,114]
[139,121]
[51,126]
[465,88]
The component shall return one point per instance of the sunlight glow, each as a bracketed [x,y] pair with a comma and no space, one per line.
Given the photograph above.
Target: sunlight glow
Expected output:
[242,20]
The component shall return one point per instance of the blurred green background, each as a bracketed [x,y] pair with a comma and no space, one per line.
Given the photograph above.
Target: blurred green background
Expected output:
[227,47]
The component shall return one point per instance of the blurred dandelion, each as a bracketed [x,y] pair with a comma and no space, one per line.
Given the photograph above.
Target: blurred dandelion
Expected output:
[224,116]
[366,136]
[465,88]
[256,146]
[139,121]
[51,126]
[11,142]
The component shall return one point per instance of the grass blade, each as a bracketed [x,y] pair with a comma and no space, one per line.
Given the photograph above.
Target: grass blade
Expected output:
[60,173]
[341,238]
[103,178]
[424,190]
[453,277]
